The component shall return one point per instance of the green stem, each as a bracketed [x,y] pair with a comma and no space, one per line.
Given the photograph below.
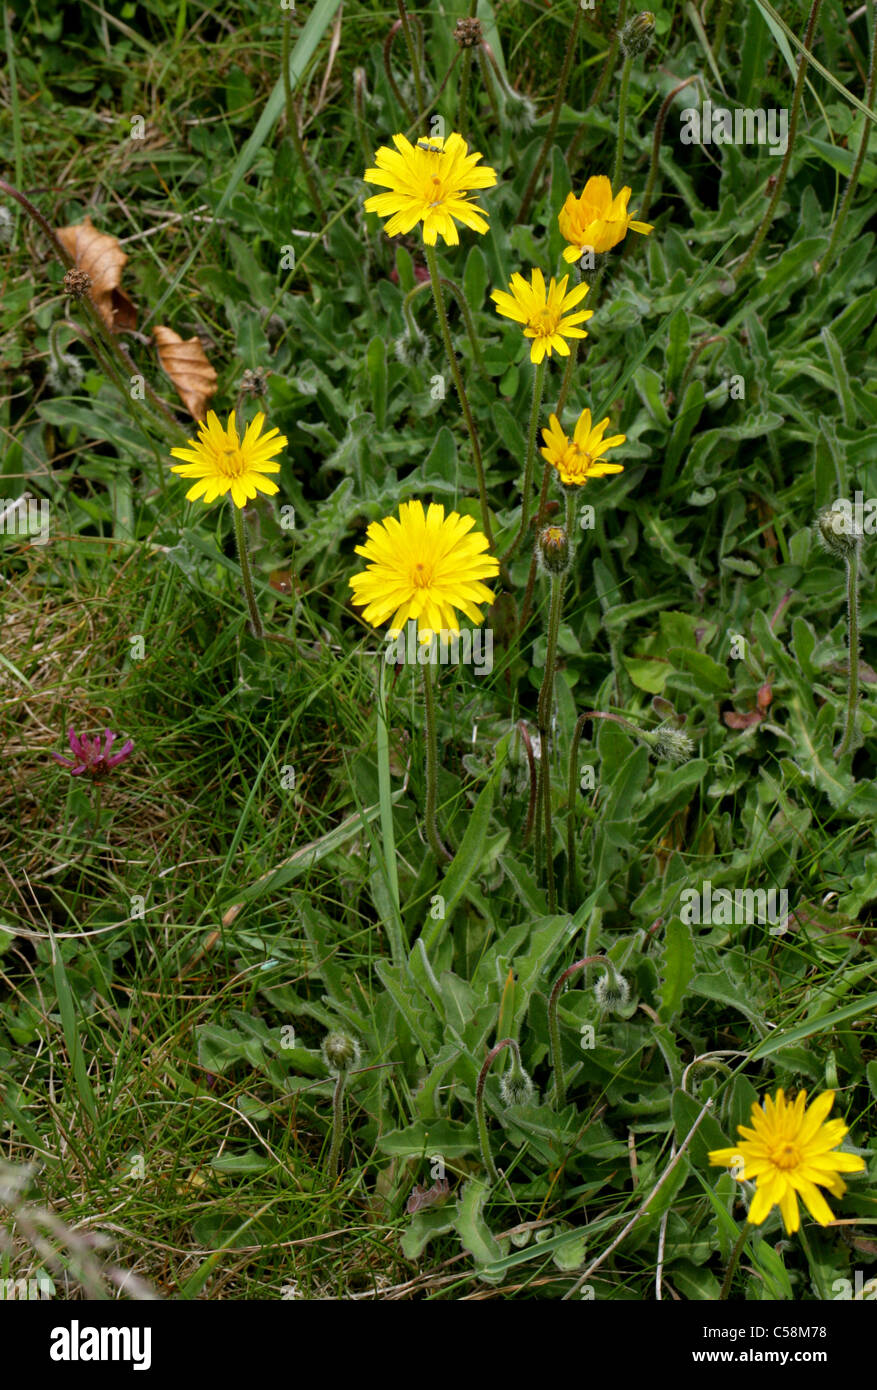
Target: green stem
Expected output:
[543,721]
[541,163]
[612,52]
[444,326]
[622,119]
[463,305]
[535,408]
[803,64]
[721,26]
[292,125]
[572,862]
[337,1126]
[554,1026]
[850,739]
[483,1137]
[660,122]
[443,856]
[732,1264]
[412,55]
[240,536]
[850,189]
[814,1268]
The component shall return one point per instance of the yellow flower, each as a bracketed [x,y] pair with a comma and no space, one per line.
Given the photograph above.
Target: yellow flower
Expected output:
[788,1151]
[223,463]
[596,221]
[424,566]
[542,314]
[578,459]
[428,183]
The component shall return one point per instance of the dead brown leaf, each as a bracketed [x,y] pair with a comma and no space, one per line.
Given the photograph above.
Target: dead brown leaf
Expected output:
[102,259]
[186,364]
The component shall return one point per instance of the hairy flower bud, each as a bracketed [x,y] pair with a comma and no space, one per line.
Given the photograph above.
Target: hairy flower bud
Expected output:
[612,991]
[637,35]
[554,550]
[515,1086]
[838,529]
[340,1053]
[671,745]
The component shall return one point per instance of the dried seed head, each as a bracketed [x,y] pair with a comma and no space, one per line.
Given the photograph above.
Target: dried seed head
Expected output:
[637,34]
[77,283]
[254,382]
[340,1053]
[467,32]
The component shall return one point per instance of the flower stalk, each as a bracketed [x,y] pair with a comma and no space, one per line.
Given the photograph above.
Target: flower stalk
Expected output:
[563,81]
[849,191]
[851,736]
[444,327]
[554,1026]
[803,64]
[240,536]
[442,854]
[519,1075]
[535,407]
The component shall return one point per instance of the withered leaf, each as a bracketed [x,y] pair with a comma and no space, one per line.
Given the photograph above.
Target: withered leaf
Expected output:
[742,721]
[186,364]
[102,259]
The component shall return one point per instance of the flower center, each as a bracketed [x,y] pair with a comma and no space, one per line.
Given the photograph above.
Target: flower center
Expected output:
[230,463]
[579,457]
[554,536]
[421,577]
[544,322]
[785,1155]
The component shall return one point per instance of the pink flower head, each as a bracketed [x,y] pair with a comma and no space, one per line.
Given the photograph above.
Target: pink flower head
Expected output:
[90,757]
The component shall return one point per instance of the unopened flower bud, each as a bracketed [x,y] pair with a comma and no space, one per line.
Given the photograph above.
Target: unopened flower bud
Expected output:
[671,745]
[515,1086]
[553,549]
[838,529]
[612,991]
[412,347]
[637,34]
[340,1053]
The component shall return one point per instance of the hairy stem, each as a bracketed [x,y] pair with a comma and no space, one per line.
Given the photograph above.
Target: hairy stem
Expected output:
[540,165]
[443,856]
[803,64]
[535,407]
[444,326]
[240,536]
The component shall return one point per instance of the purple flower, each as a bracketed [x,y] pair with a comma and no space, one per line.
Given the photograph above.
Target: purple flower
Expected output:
[90,757]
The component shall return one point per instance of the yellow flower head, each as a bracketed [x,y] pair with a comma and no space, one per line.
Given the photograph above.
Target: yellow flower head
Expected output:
[429,183]
[222,462]
[579,458]
[788,1151]
[542,312]
[423,566]
[596,221]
